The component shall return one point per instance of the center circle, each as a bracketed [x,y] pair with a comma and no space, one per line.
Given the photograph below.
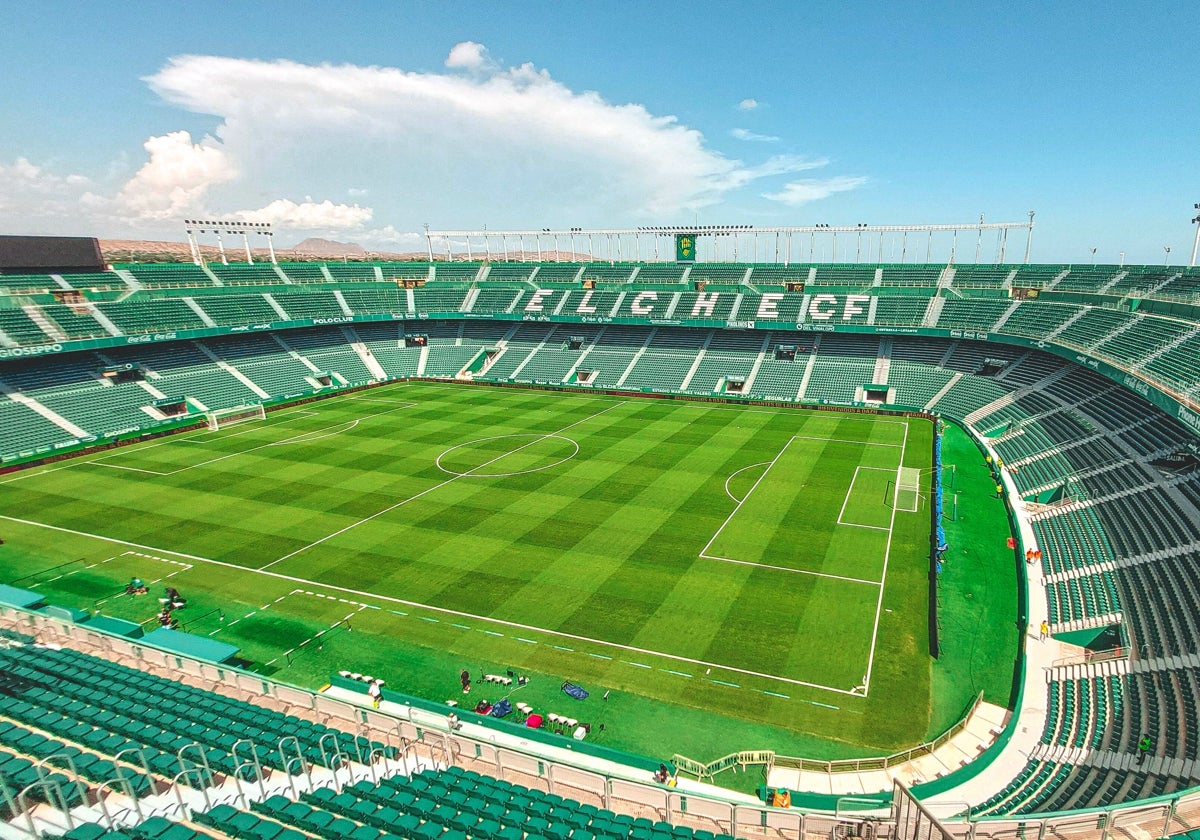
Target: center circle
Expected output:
[500,456]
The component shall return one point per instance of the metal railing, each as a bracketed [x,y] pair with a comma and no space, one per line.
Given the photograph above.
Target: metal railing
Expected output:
[859,765]
[425,737]
[1091,657]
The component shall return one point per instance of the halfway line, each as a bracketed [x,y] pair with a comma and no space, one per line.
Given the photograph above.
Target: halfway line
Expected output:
[429,490]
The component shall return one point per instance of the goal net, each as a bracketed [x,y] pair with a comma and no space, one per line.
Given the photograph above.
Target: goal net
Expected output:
[225,417]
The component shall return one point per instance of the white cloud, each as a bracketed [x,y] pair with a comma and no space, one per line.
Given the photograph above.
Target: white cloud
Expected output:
[35,199]
[747,104]
[469,55]
[773,166]
[309,215]
[514,142]
[469,145]
[814,189]
[746,134]
[389,239]
[24,174]
[177,177]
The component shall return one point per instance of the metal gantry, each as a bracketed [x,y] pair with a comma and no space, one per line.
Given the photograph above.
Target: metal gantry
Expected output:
[719,243]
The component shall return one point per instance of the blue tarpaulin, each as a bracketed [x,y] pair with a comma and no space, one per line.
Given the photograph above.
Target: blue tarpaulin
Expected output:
[576,691]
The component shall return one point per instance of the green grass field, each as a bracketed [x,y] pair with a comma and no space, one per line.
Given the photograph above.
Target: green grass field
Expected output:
[736,577]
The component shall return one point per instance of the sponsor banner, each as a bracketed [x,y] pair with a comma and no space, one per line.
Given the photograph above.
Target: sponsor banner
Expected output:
[1189,418]
[39,350]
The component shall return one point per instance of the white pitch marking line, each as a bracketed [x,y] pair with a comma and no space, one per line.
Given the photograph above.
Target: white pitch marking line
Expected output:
[379,400]
[738,472]
[417,605]
[471,472]
[100,461]
[694,404]
[191,437]
[31,473]
[749,493]
[793,571]
[846,501]
[863,690]
[303,439]
[183,568]
[220,458]
[854,442]
[122,467]
[194,439]
[429,490]
[866,686]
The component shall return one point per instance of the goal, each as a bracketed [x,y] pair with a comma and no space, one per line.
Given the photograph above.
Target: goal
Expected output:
[223,418]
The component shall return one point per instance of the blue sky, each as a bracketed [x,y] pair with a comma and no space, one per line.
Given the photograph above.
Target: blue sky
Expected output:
[362,121]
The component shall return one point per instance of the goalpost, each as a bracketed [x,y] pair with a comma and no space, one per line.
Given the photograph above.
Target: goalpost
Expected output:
[223,418]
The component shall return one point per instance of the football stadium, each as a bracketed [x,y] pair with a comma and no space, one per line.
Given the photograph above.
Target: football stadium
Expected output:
[599,421]
[500,544]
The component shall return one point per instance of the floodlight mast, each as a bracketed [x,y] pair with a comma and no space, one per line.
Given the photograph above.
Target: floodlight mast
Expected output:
[221,247]
[236,228]
[193,246]
[1196,241]
[1029,240]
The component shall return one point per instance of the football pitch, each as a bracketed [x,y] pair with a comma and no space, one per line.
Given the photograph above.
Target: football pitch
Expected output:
[707,563]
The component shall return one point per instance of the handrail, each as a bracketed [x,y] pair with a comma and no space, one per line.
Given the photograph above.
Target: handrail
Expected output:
[252,763]
[184,811]
[855,765]
[129,791]
[202,765]
[51,788]
[333,760]
[287,762]
[1088,657]
[1083,822]
[75,779]
[9,802]
[119,768]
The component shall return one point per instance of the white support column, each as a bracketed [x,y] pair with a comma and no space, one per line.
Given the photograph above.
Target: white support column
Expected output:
[1029,238]
[194,247]
[1196,241]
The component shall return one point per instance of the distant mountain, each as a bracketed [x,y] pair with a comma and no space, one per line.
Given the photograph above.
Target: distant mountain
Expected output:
[328,247]
[317,250]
